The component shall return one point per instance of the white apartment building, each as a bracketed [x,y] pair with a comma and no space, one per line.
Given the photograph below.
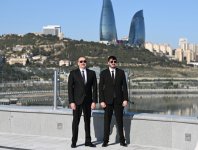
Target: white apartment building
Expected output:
[183,43]
[156,47]
[179,54]
[190,56]
[149,46]
[53,30]
[64,62]
[22,61]
[190,51]
[159,48]
[185,52]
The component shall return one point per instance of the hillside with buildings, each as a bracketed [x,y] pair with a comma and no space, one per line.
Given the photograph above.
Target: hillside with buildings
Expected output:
[30,55]
[186,52]
[49,50]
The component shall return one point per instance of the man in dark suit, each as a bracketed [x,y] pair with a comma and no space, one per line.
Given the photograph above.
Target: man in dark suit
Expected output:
[82,91]
[113,96]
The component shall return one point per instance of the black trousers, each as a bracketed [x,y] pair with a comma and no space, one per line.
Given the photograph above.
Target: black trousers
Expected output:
[118,111]
[86,108]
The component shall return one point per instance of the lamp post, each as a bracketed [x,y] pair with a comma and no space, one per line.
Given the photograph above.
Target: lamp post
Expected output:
[55,90]
[1,68]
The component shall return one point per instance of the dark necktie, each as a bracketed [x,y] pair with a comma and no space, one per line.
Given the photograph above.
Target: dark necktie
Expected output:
[83,75]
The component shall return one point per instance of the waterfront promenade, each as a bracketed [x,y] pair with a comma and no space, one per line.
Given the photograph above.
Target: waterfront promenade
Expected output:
[33,142]
[45,128]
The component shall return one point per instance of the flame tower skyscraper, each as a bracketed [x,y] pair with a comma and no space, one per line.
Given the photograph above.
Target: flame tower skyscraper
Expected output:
[137,30]
[108,33]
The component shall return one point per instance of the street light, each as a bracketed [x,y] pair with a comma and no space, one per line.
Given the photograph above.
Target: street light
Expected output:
[55,90]
[1,70]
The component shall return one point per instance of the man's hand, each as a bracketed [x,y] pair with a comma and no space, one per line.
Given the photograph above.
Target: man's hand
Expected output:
[73,106]
[93,105]
[102,104]
[125,103]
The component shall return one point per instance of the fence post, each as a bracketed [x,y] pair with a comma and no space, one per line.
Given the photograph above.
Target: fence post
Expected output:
[55,90]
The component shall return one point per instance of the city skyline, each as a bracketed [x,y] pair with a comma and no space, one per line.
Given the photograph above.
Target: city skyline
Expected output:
[165,21]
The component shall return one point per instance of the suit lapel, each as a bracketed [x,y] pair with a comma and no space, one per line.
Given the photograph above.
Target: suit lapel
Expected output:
[116,74]
[88,75]
[109,74]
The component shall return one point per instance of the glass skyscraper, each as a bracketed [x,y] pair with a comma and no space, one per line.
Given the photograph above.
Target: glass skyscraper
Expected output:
[137,30]
[108,31]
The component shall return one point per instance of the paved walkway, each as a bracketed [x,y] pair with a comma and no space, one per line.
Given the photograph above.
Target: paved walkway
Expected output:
[29,142]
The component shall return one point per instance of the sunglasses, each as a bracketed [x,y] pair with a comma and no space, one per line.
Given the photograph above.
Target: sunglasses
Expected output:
[113,61]
[83,61]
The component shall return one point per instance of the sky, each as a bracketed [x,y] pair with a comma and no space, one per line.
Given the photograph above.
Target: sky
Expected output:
[165,20]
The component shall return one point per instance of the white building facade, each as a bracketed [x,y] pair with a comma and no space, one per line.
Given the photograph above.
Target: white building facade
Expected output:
[53,30]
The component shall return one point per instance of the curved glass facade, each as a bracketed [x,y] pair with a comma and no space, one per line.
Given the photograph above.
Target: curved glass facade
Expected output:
[137,30]
[108,31]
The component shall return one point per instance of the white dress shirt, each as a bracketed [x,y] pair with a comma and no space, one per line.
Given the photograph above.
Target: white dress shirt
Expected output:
[114,71]
[85,73]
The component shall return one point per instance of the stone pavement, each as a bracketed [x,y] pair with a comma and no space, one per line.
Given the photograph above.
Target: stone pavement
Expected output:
[29,142]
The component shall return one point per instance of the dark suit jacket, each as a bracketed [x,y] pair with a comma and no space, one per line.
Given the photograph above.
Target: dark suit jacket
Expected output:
[109,90]
[78,91]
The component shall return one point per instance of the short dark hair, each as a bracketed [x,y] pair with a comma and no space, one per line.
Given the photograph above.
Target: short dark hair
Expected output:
[112,57]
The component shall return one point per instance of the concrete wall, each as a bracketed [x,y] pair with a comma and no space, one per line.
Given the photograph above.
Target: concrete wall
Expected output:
[141,129]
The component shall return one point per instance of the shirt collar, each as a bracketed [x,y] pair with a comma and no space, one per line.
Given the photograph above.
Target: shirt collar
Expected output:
[112,69]
[82,69]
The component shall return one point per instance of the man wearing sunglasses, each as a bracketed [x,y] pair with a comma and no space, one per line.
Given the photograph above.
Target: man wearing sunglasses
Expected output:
[113,96]
[82,91]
